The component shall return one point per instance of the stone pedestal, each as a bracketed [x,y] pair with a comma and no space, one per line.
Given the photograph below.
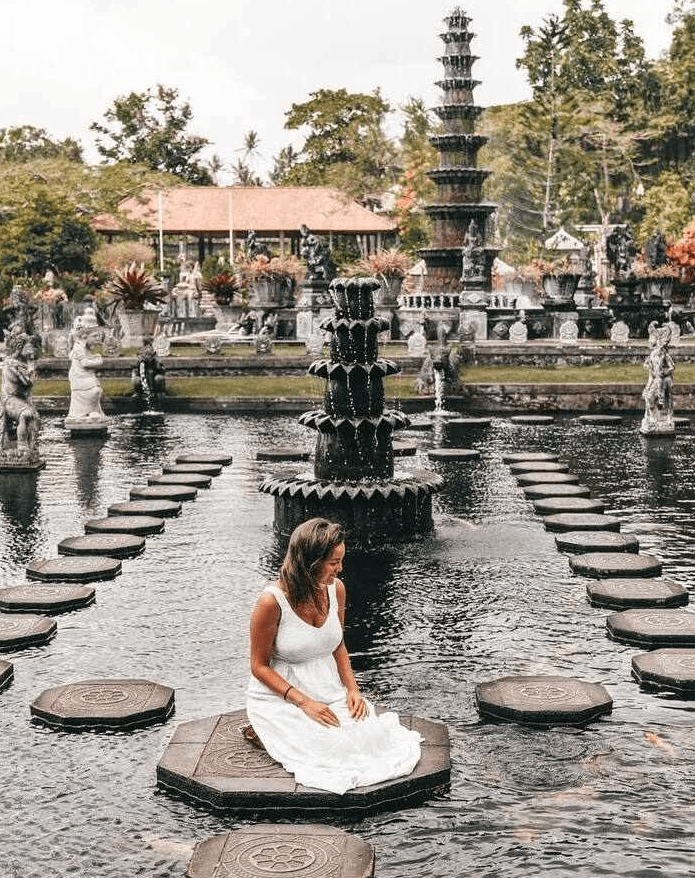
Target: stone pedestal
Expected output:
[475,317]
[13,461]
[313,294]
[86,426]
[560,318]
[309,322]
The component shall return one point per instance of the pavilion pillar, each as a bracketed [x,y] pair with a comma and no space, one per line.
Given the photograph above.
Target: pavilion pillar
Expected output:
[281,239]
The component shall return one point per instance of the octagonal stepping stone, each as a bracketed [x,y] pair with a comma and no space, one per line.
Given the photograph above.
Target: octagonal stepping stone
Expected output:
[88,568]
[622,594]
[558,505]
[653,627]
[599,419]
[194,480]
[469,422]
[140,525]
[6,674]
[206,469]
[535,477]
[164,492]
[209,761]
[536,492]
[681,422]
[111,544]
[192,457]
[420,425]
[672,669]
[104,704]
[157,508]
[28,597]
[543,700]
[532,419]
[609,564]
[565,521]
[578,541]
[404,449]
[453,454]
[19,631]
[283,454]
[524,456]
[538,466]
[263,849]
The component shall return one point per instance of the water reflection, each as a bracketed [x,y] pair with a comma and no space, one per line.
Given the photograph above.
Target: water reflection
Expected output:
[86,451]
[20,511]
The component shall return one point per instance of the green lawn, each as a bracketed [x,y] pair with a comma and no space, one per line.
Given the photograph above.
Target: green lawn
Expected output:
[607,373]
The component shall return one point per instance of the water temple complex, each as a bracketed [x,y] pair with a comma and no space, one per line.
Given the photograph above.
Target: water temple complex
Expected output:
[517,575]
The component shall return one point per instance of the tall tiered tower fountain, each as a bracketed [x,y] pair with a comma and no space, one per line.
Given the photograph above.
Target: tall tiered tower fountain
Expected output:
[458,277]
[354,480]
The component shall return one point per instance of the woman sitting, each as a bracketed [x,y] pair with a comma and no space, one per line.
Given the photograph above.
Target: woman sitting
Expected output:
[303,702]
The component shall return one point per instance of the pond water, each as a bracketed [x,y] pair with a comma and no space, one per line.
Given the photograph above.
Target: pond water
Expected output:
[487,595]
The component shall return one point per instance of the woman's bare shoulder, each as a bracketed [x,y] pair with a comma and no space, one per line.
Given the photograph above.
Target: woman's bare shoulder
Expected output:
[267,603]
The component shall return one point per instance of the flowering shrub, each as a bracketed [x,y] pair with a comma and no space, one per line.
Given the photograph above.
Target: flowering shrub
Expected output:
[134,288]
[287,268]
[641,269]
[390,263]
[223,287]
[682,253]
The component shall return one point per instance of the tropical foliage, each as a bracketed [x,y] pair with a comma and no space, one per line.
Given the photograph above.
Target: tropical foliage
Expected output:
[133,288]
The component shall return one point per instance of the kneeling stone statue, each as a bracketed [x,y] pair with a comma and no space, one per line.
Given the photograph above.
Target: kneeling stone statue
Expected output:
[19,419]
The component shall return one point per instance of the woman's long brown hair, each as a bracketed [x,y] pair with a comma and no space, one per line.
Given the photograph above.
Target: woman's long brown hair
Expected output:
[310,546]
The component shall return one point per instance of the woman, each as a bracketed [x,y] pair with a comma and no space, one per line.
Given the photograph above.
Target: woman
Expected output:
[303,702]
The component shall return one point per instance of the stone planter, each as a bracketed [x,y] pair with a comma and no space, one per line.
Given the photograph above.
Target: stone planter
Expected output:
[269,292]
[227,316]
[390,290]
[560,288]
[137,325]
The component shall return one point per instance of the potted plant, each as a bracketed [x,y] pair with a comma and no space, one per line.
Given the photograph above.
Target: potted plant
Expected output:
[654,283]
[559,278]
[389,267]
[135,294]
[272,279]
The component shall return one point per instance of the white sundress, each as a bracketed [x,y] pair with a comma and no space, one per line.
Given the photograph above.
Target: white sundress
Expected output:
[337,758]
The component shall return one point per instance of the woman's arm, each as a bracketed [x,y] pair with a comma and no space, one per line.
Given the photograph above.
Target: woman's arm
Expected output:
[265,620]
[355,702]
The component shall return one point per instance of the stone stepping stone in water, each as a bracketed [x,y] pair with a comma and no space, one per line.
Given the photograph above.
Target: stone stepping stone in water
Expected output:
[283,454]
[606,565]
[542,700]
[263,849]
[654,627]
[404,449]
[469,422]
[681,422]
[6,674]
[104,704]
[538,466]
[453,454]
[140,525]
[536,492]
[622,594]
[90,568]
[209,761]
[420,425]
[578,541]
[532,419]
[599,419]
[29,597]
[164,492]
[205,469]
[542,478]
[221,459]
[18,631]
[193,480]
[566,521]
[672,669]
[157,508]
[114,545]
[526,456]
[559,505]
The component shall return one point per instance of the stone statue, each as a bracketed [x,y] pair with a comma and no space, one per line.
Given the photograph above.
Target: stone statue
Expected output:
[621,251]
[424,381]
[319,264]
[264,343]
[569,332]
[148,378]
[658,392]
[655,250]
[195,278]
[19,311]
[17,409]
[85,413]
[254,248]
[620,332]
[473,255]
[518,333]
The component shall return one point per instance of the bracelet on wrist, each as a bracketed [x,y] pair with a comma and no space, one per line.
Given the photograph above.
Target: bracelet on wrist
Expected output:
[284,697]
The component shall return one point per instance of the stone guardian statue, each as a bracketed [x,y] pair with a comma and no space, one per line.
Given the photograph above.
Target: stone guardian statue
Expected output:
[658,392]
[85,414]
[19,420]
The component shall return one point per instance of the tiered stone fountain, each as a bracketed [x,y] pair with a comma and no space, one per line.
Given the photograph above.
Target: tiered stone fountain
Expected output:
[353,480]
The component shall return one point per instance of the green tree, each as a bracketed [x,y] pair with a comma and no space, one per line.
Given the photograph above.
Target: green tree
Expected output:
[45,233]
[25,142]
[346,145]
[666,205]
[150,128]
[283,163]
[414,189]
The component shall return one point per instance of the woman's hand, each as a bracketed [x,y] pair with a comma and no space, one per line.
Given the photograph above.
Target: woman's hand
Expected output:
[356,704]
[320,712]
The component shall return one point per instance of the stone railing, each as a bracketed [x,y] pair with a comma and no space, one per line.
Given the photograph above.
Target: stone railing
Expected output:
[421,300]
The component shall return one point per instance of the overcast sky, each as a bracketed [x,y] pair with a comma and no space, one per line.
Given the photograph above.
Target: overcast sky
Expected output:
[242,63]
